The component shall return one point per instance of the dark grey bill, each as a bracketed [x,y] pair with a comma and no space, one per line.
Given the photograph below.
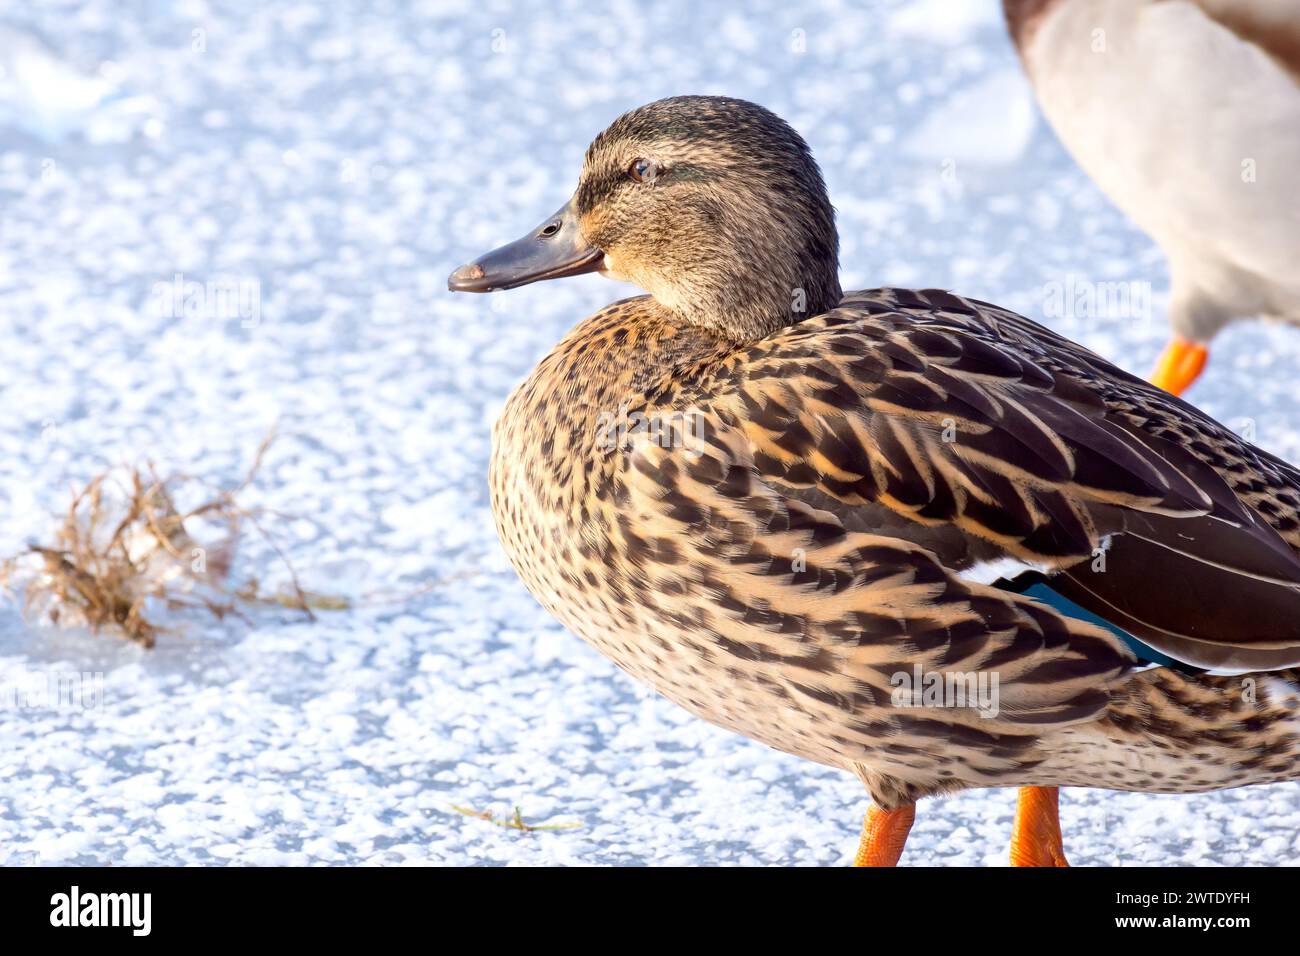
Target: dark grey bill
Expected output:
[552,250]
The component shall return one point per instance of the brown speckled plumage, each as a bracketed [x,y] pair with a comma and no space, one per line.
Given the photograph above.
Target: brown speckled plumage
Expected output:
[678,566]
[806,524]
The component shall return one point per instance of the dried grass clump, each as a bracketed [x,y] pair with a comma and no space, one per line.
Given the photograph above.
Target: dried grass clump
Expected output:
[124,555]
[513,822]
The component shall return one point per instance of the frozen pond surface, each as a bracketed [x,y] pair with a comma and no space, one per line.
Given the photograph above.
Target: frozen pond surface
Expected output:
[340,164]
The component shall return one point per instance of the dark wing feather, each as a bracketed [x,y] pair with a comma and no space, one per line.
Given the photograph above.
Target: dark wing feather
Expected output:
[967,419]
[846,612]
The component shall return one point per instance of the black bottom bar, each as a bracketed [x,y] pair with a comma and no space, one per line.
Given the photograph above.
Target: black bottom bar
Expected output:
[680,907]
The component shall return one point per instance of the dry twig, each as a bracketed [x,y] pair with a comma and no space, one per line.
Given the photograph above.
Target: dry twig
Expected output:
[513,822]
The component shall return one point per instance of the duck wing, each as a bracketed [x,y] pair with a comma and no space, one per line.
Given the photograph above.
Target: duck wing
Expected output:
[1271,26]
[966,419]
[784,595]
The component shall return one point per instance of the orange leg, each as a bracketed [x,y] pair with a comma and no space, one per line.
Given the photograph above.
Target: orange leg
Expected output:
[883,834]
[1180,365]
[1036,834]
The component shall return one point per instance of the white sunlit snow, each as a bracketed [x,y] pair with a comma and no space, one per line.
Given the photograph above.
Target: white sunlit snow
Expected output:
[345,163]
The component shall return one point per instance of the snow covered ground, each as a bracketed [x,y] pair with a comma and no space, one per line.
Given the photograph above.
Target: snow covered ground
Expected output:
[337,162]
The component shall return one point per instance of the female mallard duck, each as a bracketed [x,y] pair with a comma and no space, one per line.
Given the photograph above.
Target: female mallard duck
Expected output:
[904,533]
[1188,116]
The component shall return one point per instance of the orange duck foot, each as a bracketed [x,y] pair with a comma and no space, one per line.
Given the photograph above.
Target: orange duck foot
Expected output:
[884,833]
[1180,365]
[1036,834]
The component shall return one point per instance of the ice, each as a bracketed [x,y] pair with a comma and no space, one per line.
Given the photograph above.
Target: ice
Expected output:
[988,124]
[345,159]
[948,22]
[51,99]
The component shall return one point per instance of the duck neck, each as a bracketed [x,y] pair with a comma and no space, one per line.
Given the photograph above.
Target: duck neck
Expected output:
[745,304]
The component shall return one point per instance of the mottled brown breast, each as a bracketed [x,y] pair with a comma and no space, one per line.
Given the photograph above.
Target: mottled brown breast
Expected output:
[557,473]
[672,555]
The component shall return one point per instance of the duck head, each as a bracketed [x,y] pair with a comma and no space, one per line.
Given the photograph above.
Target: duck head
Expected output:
[712,205]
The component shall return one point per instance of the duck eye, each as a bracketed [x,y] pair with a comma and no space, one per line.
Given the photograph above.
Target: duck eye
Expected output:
[644,170]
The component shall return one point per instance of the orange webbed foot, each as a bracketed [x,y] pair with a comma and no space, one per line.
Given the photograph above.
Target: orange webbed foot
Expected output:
[884,833]
[1036,833]
[1180,365]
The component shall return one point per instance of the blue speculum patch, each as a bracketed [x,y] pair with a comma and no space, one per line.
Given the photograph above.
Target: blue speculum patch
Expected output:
[1041,591]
